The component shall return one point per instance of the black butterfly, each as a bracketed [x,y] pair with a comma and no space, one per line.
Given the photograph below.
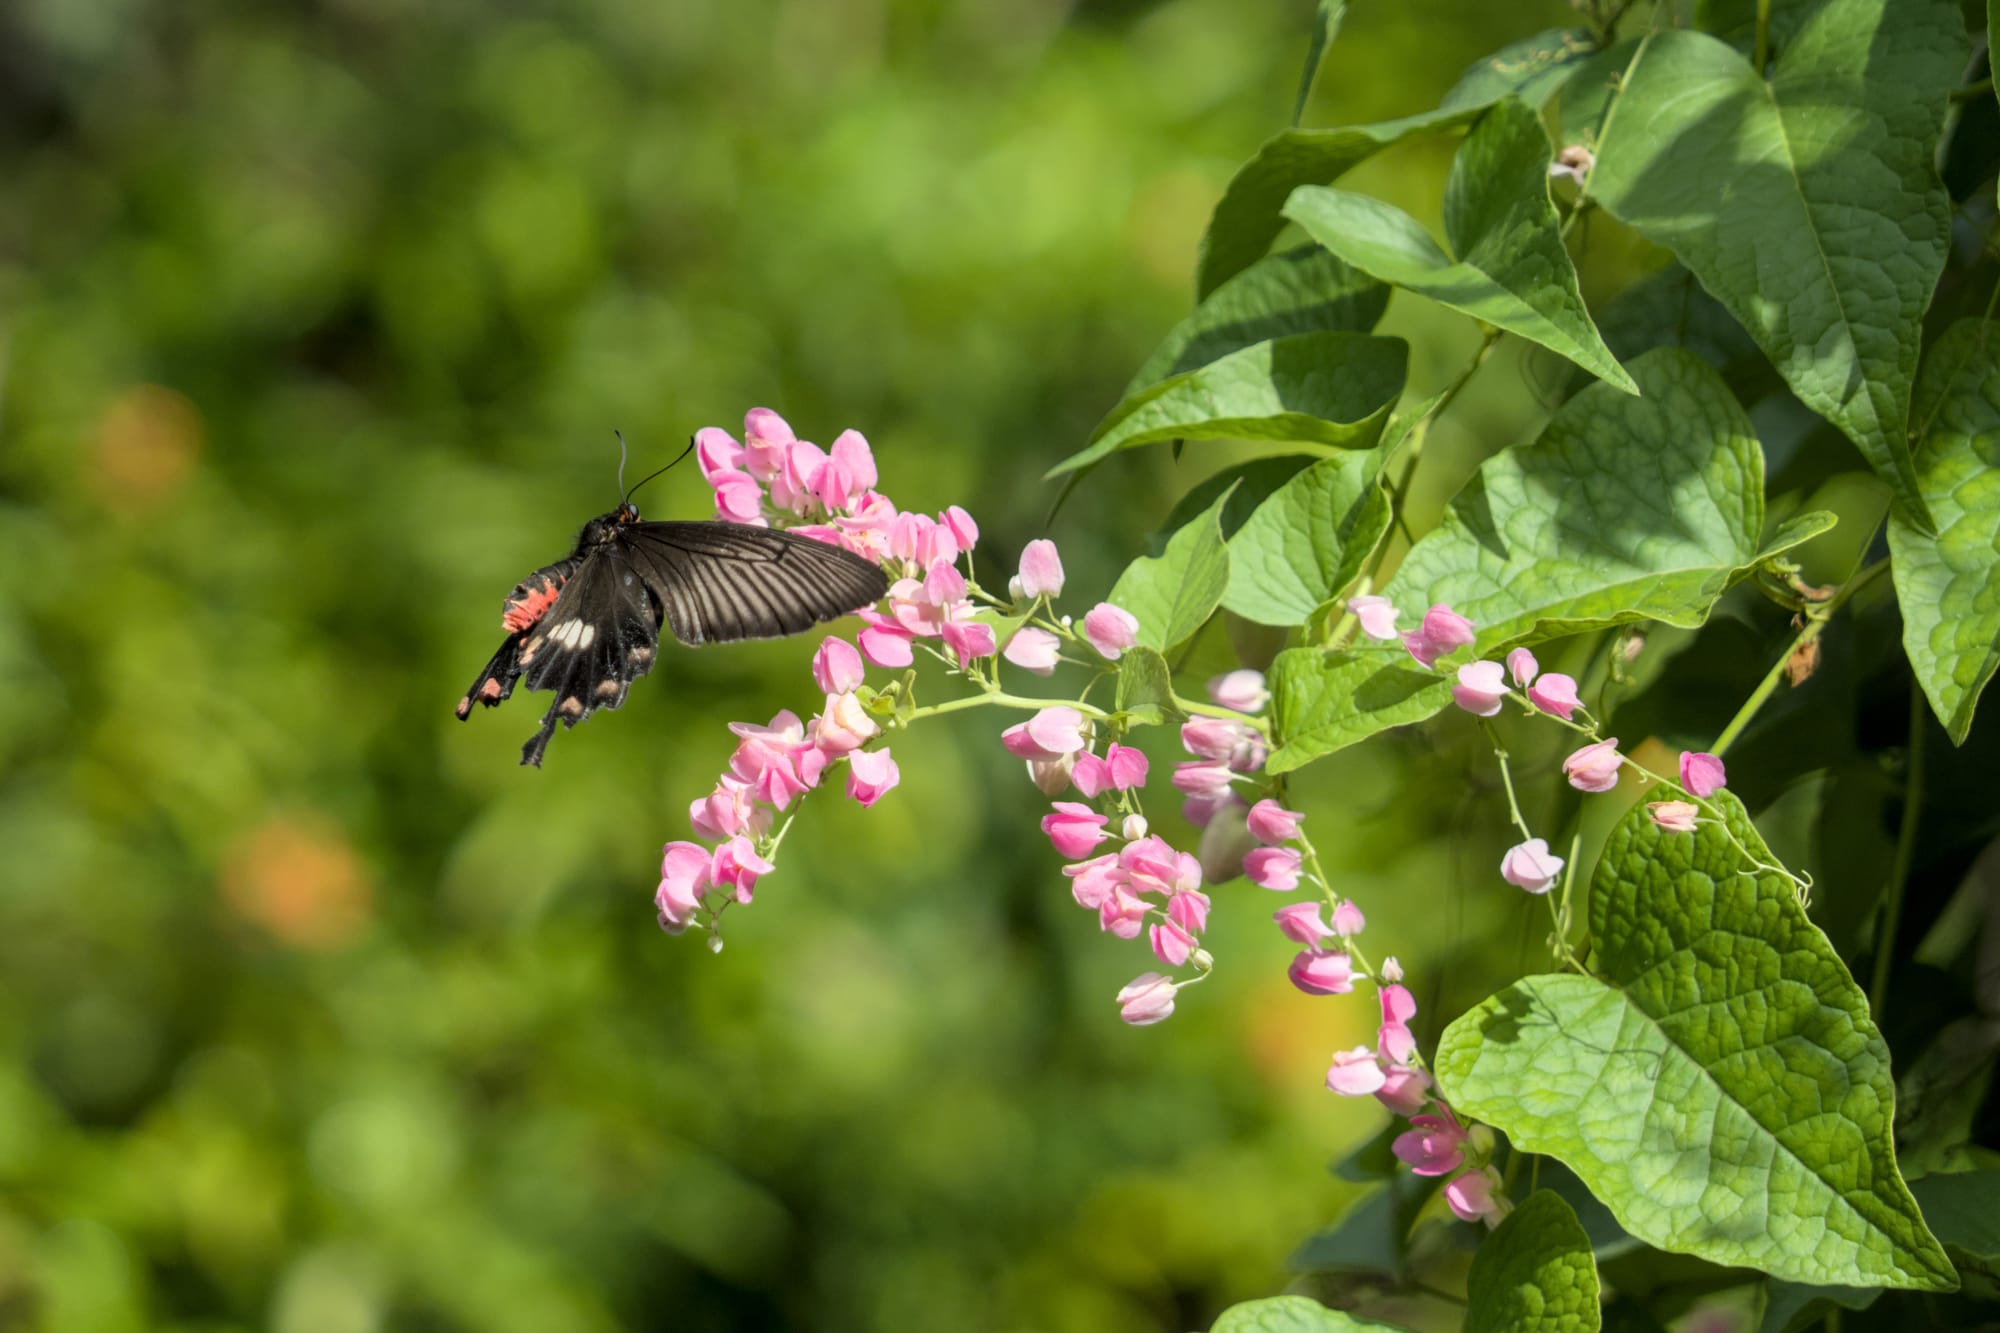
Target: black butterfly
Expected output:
[589,625]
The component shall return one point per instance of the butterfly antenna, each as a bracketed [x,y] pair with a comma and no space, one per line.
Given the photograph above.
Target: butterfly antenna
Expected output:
[621,461]
[656,472]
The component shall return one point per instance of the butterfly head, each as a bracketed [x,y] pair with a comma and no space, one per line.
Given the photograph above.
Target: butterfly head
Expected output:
[604,529]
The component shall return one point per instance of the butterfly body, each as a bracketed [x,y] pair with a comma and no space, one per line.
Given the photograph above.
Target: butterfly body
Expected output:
[588,625]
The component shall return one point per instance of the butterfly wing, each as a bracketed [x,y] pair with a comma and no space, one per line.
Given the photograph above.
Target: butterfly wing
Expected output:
[601,634]
[523,609]
[719,582]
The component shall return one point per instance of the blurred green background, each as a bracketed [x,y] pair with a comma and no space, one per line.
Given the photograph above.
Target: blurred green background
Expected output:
[317,1012]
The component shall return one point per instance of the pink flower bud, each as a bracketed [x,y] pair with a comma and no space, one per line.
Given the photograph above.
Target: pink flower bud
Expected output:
[1128,767]
[1702,773]
[1132,828]
[684,877]
[1398,1043]
[1355,1073]
[1673,816]
[959,523]
[968,639]
[1433,1146]
[885,643]
[1213,737]
[1148,999]
[871,774]
[1481,688]
[1171,944]
[1474,1196]
[1555,693]
[1398,1005]
[1049,734]
[1322,972]
[1377,616]
[1521,665]
[1074,829]
[1404,1089]
[1275,868]
[1041,569]
[1271,823]
[768,438]
[1529,866]
[1443,631]
[1202,778]
[837,667]
[1033,650]
[728,810]
[1300,923]
[716,450]
[1091,775]
[1111,630]
[1242,689]
[1594,767]
[1347,919]
[738,498]
[1092,881]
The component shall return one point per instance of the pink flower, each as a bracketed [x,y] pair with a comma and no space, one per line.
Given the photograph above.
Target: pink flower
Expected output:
[1242,690]
[968,639]
[1594,767]
[1147,999]
[884,642]
[1122,913]
[837,667]
[1111,630]
[766,758]
[728,810]
[959,523]
[1529,866]
[1051,776]
[1271,823]
[848,473]
[1473,1196]
[1188,909]
[684,877]
[1673,816]
[1041,570]
[1218,738]
[1275,868]
[1355,1073]
[1121,769]
[1092,881]
[871,775]
[715,451]
[1521,665]
[1347,919]
[1049,734]
[1300,923]
[1074,829]
[767,439]
[1443,631]
[1156,867]
[1033,650]
[1481,689]
[1555,693]
[738,498]
[1398,1005]
[865,528]
[1202,778]
[737,866]
[844,726]
[1171,943]
[1433,1146]
[1322,972]
[1404,1089]
[1377,616]
[1702,773]
[792,488]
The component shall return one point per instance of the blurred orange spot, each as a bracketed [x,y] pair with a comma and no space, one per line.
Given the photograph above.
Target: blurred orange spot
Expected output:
[147,443]
[298,879]
[1289,1034]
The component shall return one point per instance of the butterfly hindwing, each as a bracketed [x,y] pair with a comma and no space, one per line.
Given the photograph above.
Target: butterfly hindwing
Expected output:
[718,582]
[598,637]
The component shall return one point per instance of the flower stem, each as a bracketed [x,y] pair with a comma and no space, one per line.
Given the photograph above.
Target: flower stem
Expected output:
[1899,869]
[1816,622]
[1258,724]
[1002,699]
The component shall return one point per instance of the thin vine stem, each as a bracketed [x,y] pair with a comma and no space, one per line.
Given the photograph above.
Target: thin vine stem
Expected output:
[1817,619]
[1906,845]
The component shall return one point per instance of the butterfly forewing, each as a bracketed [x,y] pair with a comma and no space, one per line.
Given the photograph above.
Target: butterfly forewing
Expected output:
[718,582]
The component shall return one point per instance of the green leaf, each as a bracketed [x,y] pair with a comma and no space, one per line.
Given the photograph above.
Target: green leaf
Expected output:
[1246,220]
[1808,203]
[1174,593]
[1145,686]
[1792,1307]
[1722,1088]
[1247,485]
[1534,1274]
[1307,541]
[1290,1314]
[1512,270]
[1322,702]
[1326,388]
[1306,290]
[1939,1094]
[1949,584]
[1625,509]
[1964,1210]
[1530,69]
[1326,26]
